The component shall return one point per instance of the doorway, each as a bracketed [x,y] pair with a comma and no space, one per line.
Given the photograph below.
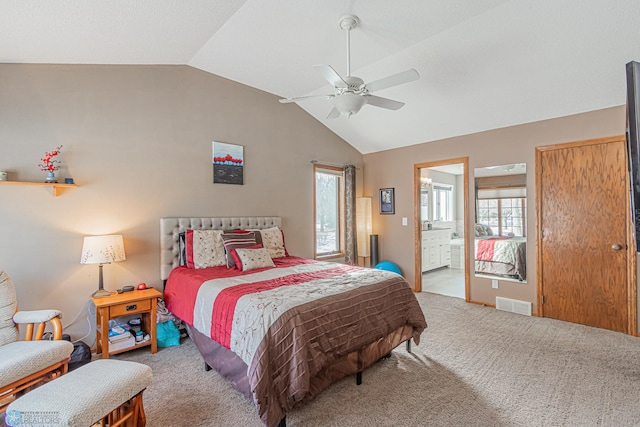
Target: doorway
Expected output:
[586,264]
[441,192]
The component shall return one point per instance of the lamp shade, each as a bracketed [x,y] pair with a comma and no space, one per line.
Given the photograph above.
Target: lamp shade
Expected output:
[102,249]
[363,225]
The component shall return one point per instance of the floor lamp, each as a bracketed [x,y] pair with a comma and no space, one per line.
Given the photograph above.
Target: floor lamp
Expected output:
[367,242]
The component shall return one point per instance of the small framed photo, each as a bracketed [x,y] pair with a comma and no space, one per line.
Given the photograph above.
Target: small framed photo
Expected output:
[387,201]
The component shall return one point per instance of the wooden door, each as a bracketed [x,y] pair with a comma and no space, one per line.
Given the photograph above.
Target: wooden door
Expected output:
[583,213]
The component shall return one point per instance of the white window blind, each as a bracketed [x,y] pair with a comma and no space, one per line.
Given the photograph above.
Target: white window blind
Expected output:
[502,193]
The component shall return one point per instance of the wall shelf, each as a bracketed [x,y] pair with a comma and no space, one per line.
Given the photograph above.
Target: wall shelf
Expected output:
[56,186]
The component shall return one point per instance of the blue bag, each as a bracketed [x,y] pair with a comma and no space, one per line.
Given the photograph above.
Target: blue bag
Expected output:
[167,334]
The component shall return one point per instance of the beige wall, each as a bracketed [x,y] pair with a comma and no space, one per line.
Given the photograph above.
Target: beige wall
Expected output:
[394,168]
[137,140]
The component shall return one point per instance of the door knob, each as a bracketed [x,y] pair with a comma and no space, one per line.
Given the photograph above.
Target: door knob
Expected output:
[616,247]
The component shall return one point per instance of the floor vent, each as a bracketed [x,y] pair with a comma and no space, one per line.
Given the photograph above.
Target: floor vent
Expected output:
[513,305]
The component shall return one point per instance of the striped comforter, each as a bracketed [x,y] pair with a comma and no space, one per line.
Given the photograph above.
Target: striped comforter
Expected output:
[498,249]
[289,322]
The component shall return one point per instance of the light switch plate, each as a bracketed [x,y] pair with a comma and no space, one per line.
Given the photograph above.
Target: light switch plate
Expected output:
[494,283]
[404,220]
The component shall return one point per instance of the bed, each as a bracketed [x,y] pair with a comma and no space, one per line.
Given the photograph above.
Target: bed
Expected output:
[281,334]
[500,256]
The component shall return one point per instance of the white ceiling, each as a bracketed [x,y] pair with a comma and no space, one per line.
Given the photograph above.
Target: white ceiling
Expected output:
[484,64]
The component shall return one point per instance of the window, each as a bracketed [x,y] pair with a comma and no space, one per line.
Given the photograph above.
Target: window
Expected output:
[442,202]
[503,210]
[329,211]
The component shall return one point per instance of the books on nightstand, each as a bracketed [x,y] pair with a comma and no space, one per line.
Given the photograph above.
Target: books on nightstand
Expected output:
[118,333]
[120,337]
[123,343]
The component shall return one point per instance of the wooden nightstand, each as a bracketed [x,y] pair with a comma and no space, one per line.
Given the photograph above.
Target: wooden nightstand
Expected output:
[143,303]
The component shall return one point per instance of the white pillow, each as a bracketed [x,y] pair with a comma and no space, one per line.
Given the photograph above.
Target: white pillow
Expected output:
[252,259]
[205,248]
[273,241]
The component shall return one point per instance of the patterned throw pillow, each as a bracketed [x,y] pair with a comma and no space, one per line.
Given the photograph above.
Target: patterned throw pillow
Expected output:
[273,241]
[204,248]
[252,259]
[234,241]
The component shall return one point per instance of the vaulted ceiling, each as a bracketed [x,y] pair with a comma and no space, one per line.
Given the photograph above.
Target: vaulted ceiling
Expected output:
[484,64]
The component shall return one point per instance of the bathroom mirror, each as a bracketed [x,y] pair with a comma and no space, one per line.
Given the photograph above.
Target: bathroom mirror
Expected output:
[500,222]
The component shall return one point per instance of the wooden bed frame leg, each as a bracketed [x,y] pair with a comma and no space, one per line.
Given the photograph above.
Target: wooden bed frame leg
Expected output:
[358,377]
[283,422]
[409,346]
[207,367]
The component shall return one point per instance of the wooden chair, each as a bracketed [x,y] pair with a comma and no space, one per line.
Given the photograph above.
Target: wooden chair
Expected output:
[28,363]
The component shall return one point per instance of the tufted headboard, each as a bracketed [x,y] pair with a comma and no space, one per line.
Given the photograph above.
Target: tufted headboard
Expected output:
[171,227]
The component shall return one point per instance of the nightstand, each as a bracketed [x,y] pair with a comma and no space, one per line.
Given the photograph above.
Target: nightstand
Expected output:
[143,303]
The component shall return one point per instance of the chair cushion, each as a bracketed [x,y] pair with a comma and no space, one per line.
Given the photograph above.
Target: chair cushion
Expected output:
[36,316]
[20,359]
[8,330]
[87,394]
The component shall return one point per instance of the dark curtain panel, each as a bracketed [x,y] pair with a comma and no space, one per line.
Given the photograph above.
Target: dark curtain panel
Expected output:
[351,241]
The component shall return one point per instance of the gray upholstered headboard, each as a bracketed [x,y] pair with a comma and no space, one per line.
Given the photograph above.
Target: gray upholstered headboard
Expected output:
[171,227]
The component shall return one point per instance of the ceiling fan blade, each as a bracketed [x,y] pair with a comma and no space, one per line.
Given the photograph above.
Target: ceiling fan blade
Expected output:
[394,80]
[302,98]
[331,75]
[333,114]
[378,101]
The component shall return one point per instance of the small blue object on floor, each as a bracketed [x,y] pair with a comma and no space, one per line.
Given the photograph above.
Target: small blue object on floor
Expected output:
[388,266]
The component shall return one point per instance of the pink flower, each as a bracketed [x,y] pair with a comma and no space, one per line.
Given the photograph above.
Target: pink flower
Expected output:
[49,164]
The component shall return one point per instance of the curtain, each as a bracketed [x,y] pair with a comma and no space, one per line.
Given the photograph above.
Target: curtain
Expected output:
[351,241]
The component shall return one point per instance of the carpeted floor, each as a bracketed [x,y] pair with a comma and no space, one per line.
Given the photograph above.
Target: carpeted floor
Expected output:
[474,366]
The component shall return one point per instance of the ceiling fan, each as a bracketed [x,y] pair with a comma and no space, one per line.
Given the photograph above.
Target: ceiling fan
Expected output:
[351,93]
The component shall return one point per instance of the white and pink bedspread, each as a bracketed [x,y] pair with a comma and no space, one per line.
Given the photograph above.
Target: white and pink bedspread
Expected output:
[293,320]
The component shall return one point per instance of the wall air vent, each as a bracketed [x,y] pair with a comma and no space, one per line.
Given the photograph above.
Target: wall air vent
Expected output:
[513,306]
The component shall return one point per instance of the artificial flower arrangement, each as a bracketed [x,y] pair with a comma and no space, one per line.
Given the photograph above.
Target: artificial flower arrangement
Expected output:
[49,161]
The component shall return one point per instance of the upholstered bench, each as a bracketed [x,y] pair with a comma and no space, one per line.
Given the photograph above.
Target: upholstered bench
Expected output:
[103,392]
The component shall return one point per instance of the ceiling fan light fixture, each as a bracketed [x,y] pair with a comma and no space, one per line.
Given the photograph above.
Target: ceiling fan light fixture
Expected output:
[351,93]
[349,103]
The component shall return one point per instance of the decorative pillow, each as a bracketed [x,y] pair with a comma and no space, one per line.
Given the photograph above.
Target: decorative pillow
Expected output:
[273,241]
[252,259]
[204,248]
[235,241]
[482,230]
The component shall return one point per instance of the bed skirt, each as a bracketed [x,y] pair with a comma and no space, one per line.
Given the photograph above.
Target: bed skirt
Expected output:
[234,370]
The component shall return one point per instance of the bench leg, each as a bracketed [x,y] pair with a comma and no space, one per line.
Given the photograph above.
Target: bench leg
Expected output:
[130,414]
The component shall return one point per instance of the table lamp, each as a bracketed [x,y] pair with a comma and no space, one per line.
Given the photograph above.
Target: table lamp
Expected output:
[102,250]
